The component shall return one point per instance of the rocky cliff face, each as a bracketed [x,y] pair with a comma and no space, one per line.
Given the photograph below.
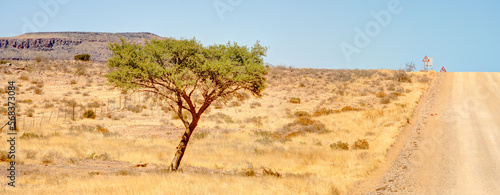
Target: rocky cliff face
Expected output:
[64,45]
[38,43]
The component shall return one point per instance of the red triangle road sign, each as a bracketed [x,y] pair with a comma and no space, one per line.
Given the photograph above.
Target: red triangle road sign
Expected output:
[443,69]
[426,59]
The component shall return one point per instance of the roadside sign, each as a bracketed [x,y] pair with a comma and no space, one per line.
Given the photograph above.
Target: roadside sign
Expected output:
[427,63]
[443,69]
[426,59]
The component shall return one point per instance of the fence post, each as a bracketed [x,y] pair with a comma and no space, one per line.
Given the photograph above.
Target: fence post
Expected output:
[50,117]
[41,120]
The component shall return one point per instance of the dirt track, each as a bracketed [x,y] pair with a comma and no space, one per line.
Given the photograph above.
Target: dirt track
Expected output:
[453,145]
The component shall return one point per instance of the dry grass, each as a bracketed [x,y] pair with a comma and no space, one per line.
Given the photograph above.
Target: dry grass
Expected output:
[254,146]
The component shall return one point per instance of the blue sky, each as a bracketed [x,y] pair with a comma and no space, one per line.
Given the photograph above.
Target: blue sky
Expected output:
[460,35]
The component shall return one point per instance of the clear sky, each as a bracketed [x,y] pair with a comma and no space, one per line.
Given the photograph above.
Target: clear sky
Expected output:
[460,35]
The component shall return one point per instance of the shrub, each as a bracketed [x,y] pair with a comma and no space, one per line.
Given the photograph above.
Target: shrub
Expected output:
[28,101]
[201,134]
[385,100]
[38,91]
[30,112]
[30,136]
[381,94]
[294,100]
[234,104]
[102,129]
[4,61]
[300,126]
[72,82]
[89,114]
[4,156]
[255,120]
[322,111]
[255,104]
[3,110]
[340,146]
[249,172]
[402,76]
[24,77]
[136,108]
[301,113]
[271,172]
[104,156]
[48,105]
[361,144]
[82,57]
[410,67]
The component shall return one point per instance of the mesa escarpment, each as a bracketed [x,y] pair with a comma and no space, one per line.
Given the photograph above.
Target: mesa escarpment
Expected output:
[64,45]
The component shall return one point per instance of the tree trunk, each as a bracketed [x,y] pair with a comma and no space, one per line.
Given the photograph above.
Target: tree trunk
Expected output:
[181,148]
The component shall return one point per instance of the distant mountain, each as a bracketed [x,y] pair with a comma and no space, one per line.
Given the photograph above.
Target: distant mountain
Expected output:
[65,45]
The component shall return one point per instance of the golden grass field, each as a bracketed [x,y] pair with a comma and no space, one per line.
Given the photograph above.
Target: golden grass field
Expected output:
[244,146]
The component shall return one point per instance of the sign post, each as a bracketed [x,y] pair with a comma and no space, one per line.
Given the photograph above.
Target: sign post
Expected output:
[427,63]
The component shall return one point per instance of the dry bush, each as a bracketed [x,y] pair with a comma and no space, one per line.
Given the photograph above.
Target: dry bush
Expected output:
[137,108]
[30,112]
[249,172]
[402,76]
[234,104]
[24,77]
[38,91]
[49,158]
[381,94]
[391,86]
[255,120]
[294,100]
[220,117]
[255,105]
[424,79]
[28,101]
[385,100]
[81,69]
[201,134]
[73,82]
[31,136]
[301,126]
[94,156]
[349,108]
[270,172]
[322,111]
[361,144]
[301,113]
[3,110]
[340,146]
[89,114]
[102,129]
[48,105]
[4,156]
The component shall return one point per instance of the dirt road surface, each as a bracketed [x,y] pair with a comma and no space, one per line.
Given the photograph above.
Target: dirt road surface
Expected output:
[453,146]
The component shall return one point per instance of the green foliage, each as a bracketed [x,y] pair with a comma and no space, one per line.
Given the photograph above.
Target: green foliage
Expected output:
[179,68]
[89,114]
[82,57]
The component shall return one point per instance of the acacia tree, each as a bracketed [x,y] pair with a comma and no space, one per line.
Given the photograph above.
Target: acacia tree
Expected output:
[183,70]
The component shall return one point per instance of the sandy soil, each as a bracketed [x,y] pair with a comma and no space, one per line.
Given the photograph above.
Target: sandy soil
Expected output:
[452,148]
